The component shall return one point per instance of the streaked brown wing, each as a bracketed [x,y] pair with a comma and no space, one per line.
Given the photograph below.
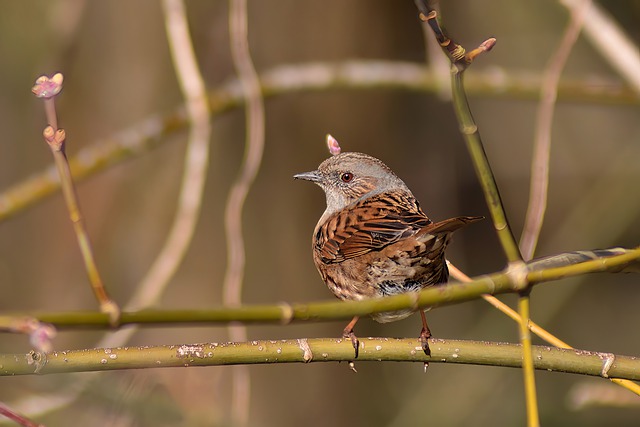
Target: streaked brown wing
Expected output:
[369,225]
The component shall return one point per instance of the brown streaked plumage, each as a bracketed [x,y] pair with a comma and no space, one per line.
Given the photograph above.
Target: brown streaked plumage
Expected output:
[373,239]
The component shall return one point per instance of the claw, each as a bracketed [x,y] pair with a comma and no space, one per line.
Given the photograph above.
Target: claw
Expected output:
[348,333]
[354,342]
[424,342]
[425,334]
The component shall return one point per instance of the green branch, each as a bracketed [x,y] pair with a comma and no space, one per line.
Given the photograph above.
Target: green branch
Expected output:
[319,350]
[451,293]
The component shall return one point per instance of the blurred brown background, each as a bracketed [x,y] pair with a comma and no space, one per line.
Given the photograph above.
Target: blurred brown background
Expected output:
[118,71]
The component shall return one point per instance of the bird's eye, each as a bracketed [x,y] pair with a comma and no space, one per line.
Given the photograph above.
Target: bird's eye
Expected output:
[346,177]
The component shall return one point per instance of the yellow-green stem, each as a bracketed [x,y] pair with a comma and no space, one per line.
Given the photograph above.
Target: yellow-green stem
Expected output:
[446,294]
[305,350]
[481,164]
[533,419]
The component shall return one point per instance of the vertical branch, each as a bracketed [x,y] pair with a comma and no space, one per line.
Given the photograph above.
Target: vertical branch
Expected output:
[254,146]
[482,167]
[542,146]
[539,183]
[195,162]
[531,398]
[460,60]
[505,235]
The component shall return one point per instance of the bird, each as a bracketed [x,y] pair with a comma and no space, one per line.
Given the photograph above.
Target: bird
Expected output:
[373,239]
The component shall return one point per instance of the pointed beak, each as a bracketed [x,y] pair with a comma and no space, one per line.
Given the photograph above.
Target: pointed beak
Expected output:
[313,176]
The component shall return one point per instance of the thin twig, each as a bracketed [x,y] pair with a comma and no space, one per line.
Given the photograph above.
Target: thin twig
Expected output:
[195,162]
[138,139]
[254,147]
[150,289]
[437,64]
[47,89]
[542,142]
[9,413]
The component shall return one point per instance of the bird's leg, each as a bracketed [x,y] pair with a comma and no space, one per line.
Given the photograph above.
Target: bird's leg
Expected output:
[348,333]
[425,334]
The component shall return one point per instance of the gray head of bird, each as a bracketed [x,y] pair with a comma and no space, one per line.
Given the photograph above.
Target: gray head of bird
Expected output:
[349,177]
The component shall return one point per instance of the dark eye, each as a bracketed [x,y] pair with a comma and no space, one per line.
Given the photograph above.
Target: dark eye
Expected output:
[346,177]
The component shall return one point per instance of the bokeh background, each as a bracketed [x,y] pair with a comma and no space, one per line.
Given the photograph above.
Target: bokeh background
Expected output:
[118,71]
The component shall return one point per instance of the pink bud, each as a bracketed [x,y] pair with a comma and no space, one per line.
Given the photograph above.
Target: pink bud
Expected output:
[46,87]
[333,145]
[55,139]
[42,336]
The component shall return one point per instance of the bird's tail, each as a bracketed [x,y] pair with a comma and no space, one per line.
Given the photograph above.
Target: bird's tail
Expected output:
[450,225]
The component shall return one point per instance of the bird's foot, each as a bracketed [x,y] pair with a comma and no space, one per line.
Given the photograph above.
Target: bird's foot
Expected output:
[354,340]
[348,333]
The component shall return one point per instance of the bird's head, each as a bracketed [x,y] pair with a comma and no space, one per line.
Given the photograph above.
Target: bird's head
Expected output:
[348,177]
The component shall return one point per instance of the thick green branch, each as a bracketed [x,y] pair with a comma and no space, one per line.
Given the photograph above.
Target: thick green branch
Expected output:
[451,293]
[319,350]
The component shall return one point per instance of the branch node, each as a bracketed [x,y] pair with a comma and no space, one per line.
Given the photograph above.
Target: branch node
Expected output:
[111,309]
[54,138]
[37,358]
[287,313]
[517,273]
[607,363]
[307,354]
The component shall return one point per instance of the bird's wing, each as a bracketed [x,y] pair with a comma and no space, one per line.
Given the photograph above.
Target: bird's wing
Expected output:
[369,225]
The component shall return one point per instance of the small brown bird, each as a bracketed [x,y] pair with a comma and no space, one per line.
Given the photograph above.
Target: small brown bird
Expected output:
[373,239]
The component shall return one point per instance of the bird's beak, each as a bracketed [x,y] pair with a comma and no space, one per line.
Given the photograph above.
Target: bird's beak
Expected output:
[313,176]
